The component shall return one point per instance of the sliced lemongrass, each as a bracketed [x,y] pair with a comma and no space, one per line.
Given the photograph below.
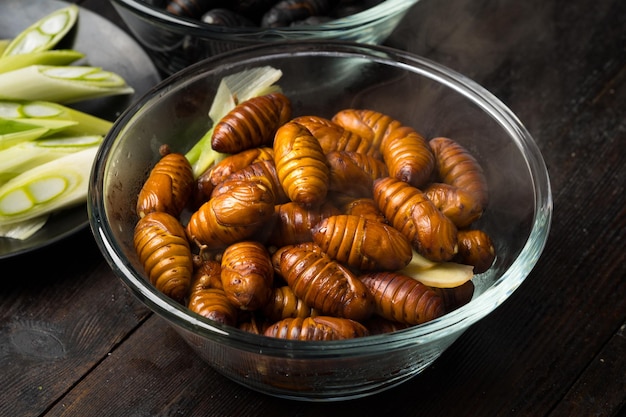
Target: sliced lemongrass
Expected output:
[53,125]
[45,33]
[232,90]
[13,132]
[3,45]
[27,155]
[85,123]
[23,230]
[60,84]
[236,88]
[53,57]
[49,187]
[202,156]
[59,142]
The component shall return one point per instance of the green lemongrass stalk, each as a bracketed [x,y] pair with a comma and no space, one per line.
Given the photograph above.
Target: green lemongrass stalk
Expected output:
[4,43]
[45,33]
[202,156]
[61,84]
[83,123]
[53,57]
[49,187]
[13,132]
[241,86]
[28,155]
[53,125]
[233,89]
[23,230]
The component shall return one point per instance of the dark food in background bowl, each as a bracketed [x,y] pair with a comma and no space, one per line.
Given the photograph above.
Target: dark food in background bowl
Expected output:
[177,33]
[263,13]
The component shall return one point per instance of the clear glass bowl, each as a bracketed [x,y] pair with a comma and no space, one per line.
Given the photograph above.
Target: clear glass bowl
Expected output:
[175,42]
[320,79]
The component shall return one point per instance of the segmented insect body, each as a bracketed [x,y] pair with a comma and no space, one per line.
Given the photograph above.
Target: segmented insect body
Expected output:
[168,187]
[190,8]
[301,165]
[475,248]
[364,207]
[163,250]
[353,174]
[316,328]
[458,167]
[263,171]
[213,304]
[217,173]
[232,216]
[324,284]
[252,123]
[455,297]
[254,325]
[333,137]
[403,299]
[226,17]
[284,303]
[247,274]
[285,12]
[309,246]
[293,223]
[455,203]
[207,273]
[363,244]
[407,154]
[368,124]
[430,232]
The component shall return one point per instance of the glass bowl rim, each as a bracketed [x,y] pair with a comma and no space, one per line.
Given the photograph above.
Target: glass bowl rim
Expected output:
[452,322]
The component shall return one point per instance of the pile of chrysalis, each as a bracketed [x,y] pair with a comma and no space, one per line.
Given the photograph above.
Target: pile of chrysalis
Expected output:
[313,228]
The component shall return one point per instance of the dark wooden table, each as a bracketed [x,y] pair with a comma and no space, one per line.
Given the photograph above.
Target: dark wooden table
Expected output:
[75,342]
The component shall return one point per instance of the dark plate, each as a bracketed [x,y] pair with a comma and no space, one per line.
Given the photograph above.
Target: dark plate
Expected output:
[105,45]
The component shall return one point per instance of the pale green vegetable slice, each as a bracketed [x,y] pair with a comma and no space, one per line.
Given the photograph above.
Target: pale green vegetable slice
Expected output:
[202,156]
[23,230]
[3,45]
[45,33]
[13,132]
[53,125]
[82,123]
[53,186]
[241,86]
[28,155]
[233,89]
[61,84]
[53,57]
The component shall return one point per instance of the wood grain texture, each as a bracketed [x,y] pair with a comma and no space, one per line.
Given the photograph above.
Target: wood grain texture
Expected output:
[74,342]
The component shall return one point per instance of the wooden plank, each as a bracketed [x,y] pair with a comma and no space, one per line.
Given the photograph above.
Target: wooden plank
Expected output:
[600,389]
[62,312]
